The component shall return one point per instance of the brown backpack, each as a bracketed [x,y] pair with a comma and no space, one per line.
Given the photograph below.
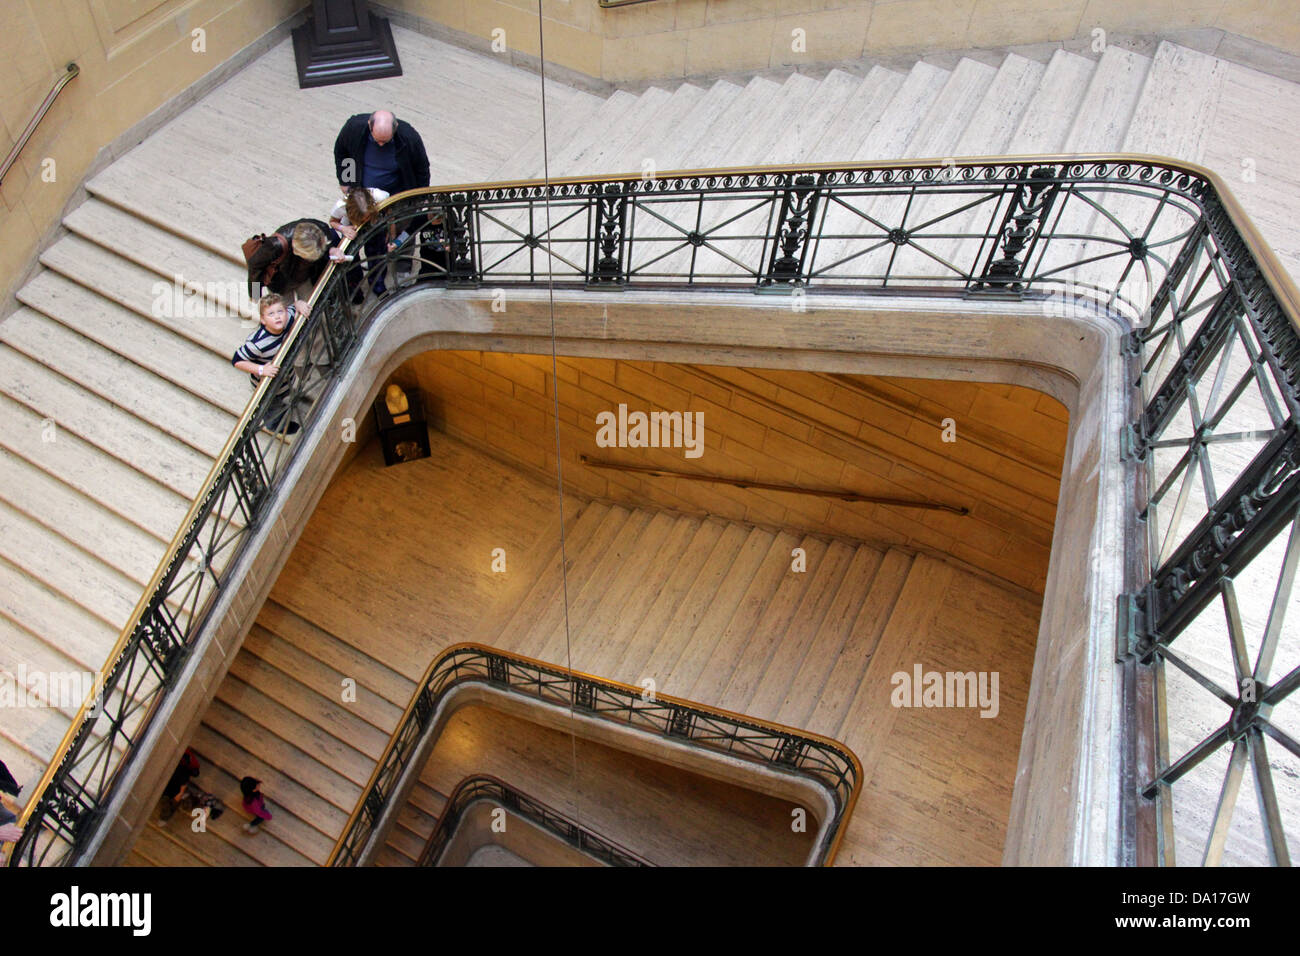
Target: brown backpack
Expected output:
[254,248]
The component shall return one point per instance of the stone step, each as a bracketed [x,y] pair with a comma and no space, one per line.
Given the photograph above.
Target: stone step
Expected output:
[82,578]
[127,385]
[733,641]
[1051,110]
[109,481]
[843,135]
[119,433]
[170,356]
[139,290]
[78,519]
[200,279]
[952,111]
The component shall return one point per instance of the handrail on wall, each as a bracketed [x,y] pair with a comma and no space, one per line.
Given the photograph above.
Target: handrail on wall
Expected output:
[70,72]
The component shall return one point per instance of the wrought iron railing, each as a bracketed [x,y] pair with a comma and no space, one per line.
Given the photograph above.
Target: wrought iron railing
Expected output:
[819,760]
[1158,245]
[498,793]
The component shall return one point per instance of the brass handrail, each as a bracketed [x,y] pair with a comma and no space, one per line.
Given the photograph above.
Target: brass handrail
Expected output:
[1281,283]
[69,73]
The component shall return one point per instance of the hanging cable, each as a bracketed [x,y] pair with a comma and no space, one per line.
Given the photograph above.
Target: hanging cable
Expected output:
[555,386]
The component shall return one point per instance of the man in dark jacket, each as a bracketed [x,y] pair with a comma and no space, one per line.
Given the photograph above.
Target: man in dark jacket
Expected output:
[380,151]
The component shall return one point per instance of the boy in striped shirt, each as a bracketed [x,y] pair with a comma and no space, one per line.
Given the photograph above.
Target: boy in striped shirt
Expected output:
[257,355]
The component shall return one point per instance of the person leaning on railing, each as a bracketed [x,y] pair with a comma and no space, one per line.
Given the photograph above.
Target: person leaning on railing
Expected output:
[293,258]
[351,213]
[257,355]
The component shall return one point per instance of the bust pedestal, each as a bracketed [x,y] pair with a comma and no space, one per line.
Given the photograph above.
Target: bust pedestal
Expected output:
[341,42]
[404,437]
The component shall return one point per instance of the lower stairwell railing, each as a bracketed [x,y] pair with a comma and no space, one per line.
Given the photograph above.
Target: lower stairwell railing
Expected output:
[819,760]
[1160,247]
[488,789]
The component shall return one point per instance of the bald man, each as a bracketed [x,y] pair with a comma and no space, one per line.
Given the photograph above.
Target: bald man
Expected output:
[379,151]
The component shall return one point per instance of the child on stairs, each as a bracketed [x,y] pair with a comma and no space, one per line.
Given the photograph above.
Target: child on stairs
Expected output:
[254,803]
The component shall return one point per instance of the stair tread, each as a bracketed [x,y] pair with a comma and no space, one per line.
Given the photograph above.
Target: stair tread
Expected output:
[78,519]
[859,113]
[135,288]
[649,140]
[1047,117]
[119,433]
[86,581]
[612,581]
[695,125]
[336,653]
[839,686]
[179,413]
[708,675]
[564,121]
[303,802]
[65,628]
[731,690]
[549,581]
[1107,107]
[828,643]
[651,575]
[906,110]
[111,482]
[747,104]
[323,680]
[867,724]
[171,355]
[326,714]
[698,630]
[327,750]
[161,849]
[219,280]
[952,110]
[998,114]
[1174,112]
[548,627]
[769,693]
[639,647]
[300,843]
[592,574]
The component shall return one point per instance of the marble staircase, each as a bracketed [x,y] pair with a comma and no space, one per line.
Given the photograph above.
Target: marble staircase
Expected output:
[116,392]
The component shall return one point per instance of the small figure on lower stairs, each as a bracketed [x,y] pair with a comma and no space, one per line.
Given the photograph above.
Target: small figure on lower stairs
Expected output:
[182,793]
[254,803]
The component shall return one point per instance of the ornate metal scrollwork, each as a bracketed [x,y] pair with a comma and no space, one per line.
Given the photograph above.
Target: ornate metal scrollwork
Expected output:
[793,229]
[1201,350]
[249,476]
[1026,213]
[457,219]
[681,723]
[790,752]
[610,267]
[1242,522]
